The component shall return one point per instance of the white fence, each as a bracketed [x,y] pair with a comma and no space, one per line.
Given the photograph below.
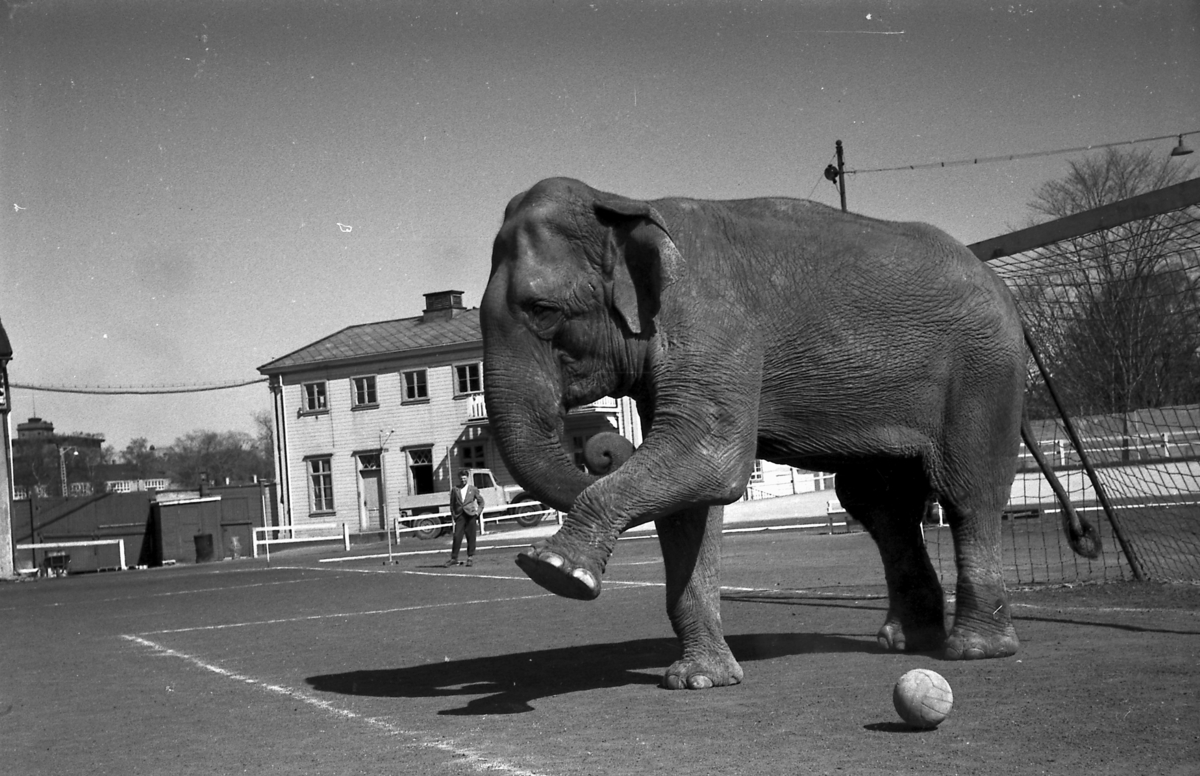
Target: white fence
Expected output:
[490,515]
[315,532]
[48,566]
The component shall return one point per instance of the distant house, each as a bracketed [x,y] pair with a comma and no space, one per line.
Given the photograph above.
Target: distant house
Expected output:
[125,478]
[382,410]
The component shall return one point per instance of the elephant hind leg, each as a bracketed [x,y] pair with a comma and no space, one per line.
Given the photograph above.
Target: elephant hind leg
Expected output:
[889,498]
[982,625]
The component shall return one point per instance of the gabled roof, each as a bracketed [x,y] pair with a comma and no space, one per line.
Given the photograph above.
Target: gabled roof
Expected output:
[382,339]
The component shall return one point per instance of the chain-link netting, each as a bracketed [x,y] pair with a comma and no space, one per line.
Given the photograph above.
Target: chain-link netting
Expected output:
[1114,315]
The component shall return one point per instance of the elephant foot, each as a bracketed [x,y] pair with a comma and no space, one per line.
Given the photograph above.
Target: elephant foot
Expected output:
[966,645]
[702,673]
[895,637]
[555,571]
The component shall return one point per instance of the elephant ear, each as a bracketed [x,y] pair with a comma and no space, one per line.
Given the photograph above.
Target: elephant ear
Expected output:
[638,260]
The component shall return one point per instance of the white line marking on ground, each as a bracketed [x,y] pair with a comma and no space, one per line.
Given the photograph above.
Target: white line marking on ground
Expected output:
[470,757]
[1107,609]
[92,601]
[336,615]
[461,574]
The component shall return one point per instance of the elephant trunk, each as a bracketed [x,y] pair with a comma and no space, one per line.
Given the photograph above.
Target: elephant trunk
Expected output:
[525,412]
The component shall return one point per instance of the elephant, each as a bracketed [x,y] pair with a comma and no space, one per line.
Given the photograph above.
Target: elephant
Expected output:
[774,328]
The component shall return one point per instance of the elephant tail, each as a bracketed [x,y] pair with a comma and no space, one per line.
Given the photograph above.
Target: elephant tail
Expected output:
[1081,534]
[605,452]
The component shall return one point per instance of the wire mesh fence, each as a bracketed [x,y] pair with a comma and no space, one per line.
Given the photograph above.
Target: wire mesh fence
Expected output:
[1115,315]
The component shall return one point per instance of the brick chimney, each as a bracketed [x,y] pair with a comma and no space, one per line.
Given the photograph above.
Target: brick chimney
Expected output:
[442,306]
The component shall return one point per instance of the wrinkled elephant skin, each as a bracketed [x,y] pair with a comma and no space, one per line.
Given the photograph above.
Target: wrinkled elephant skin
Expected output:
[766,328]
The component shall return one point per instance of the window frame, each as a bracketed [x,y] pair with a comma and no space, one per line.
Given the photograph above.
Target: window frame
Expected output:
[325,498]
[478,368]
[320,394]
[370,389]
[423,374]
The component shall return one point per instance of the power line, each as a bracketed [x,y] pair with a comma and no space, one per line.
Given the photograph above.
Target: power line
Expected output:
[1013,157]
[134,390]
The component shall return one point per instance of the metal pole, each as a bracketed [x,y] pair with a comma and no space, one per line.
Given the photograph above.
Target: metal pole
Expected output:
[841,161]
[1134,564]
[62,470]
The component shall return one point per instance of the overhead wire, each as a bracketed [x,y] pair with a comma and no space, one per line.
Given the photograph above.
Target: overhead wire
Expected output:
[135,390]
[1014,157]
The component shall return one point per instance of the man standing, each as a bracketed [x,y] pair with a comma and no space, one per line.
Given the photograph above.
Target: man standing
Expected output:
[466,505]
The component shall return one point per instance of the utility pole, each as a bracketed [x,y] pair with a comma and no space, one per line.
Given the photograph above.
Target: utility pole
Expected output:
[6,545]
[837,175]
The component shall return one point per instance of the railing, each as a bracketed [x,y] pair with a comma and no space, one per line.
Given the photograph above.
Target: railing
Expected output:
[497,514]
[1113,448]
[266,541]
[506,513]
[477,408]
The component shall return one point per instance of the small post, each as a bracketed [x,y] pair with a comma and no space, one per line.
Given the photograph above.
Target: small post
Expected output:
[389,529]
[121,547]
[346,537]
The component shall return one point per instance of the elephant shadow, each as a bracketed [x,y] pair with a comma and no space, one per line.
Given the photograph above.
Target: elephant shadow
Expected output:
[510,684]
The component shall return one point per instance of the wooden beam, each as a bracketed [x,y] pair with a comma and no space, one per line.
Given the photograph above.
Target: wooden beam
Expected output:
[1153,203]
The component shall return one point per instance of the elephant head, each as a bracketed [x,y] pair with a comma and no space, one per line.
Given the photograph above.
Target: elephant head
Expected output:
[566,317]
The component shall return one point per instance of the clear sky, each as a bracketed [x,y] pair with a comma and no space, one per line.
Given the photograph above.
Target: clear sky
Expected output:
[177,177]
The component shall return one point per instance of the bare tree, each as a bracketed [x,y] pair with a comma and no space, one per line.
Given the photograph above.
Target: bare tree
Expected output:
[232,456]
[1117,311]
[142,456]
[265,424]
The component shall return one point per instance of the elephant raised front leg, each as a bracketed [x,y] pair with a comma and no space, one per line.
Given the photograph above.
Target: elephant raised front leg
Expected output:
[546,562]
[565,566]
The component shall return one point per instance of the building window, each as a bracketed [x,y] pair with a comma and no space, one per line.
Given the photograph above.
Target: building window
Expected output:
[320,484]
[364,392]
[468,379]
[756,476]
[822,481]
[314,397]
[472,457]
[420,463]
[577,444]
[416,388]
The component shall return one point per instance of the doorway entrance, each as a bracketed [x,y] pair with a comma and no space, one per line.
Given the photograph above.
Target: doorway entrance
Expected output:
[370,490]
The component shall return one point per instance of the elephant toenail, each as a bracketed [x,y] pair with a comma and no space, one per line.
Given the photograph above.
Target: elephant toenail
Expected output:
[700,683]
[554,560]
[585,576]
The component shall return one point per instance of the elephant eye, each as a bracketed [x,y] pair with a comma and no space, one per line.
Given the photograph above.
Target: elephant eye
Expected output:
[542,311]
[544,316]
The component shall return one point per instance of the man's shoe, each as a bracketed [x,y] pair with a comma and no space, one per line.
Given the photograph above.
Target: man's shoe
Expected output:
[451,562]
[470,562]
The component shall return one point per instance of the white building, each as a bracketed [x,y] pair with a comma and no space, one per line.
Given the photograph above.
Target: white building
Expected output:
[383,410]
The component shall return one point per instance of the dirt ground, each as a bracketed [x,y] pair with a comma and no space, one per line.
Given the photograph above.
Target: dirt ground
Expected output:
[323,664]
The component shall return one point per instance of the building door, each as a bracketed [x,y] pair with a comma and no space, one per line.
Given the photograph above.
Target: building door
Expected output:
[370,489]
[420,464]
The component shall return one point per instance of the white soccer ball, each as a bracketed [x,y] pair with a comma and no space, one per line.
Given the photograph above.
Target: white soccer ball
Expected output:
[923,698]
